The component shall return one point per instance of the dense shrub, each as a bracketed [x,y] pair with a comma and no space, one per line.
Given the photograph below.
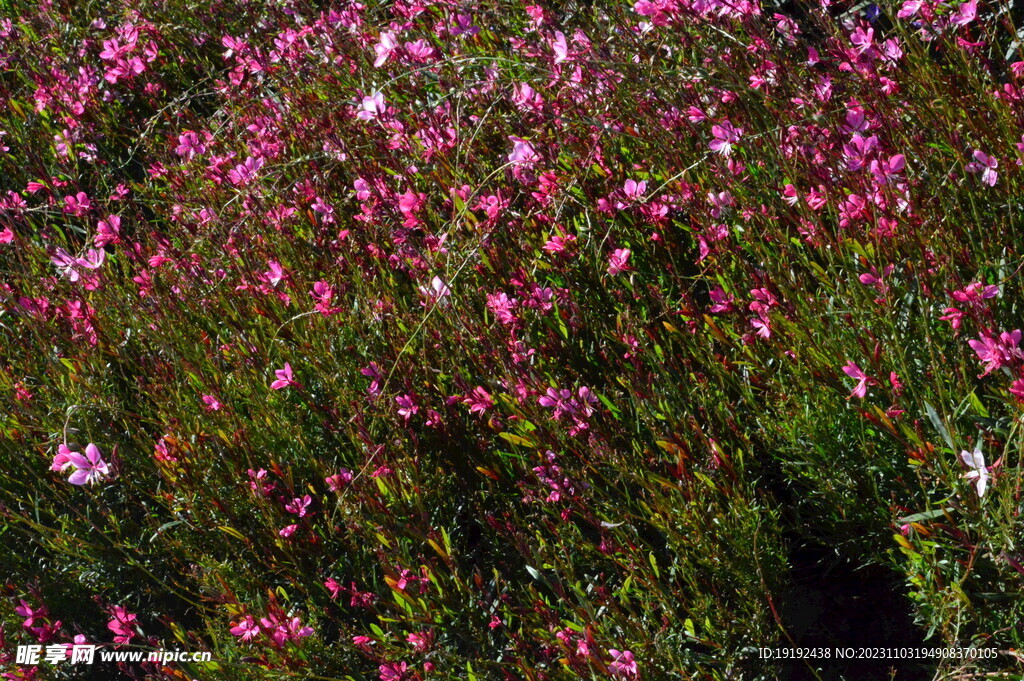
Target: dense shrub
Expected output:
[454,340]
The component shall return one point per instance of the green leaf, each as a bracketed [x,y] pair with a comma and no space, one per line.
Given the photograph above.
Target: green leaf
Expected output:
[230,530]
[927,515]
[939,425]
[517,440]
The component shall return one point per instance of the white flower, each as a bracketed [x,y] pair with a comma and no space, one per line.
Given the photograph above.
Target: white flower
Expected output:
[976,461]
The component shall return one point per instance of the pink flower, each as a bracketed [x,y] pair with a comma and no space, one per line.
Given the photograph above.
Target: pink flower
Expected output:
[244,173]
[622,663]
[560,47]
[62,461]
[559,244]
[299,506]
[634,190]
[909,9]
[66,264]
[30,614]
[107,231]
[274,274]
[722,301]
[247,629]
[421,641]
[323,294]
[189,145]
[725,136]
[854,372]
[284,378]
[986,165]
[965,13]
[861,39]
[371,107]
[997,352]
[501,305]
[975,292]
[77,205]
[953,316]
[479,401]
[89,469]
[438,292]
[618,261]
[211,403]
[522,152]
[373,373]
[407,407]
[559,400]
[339,480]
[123,625]
[385,48]
[296,630]
[93,258]
[393,671]
[762,323]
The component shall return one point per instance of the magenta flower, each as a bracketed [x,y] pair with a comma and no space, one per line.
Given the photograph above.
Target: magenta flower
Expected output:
[479,401]
[725,136]
[522,152]
[560,47]
[976,292]
[123,624]
[89,468]
[953,316]
[854,372]
[986,165]
[618,261]
[420,641]
[407,407]
[245,172]
[393,671]
[62,461]
[211,402]
[862,39]
[385,48]
[31,615]
[94,257]
[555,398]
[296,630]
[634,190]
[376,378]
[107,231]
[1017,389]
[339,480]
[622,663]
[997,352]
[247,629]
[284,378]
[299,506]
[371,107]
[65,263]
[274,274]
[190,145]
[722,301]
[438,292]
